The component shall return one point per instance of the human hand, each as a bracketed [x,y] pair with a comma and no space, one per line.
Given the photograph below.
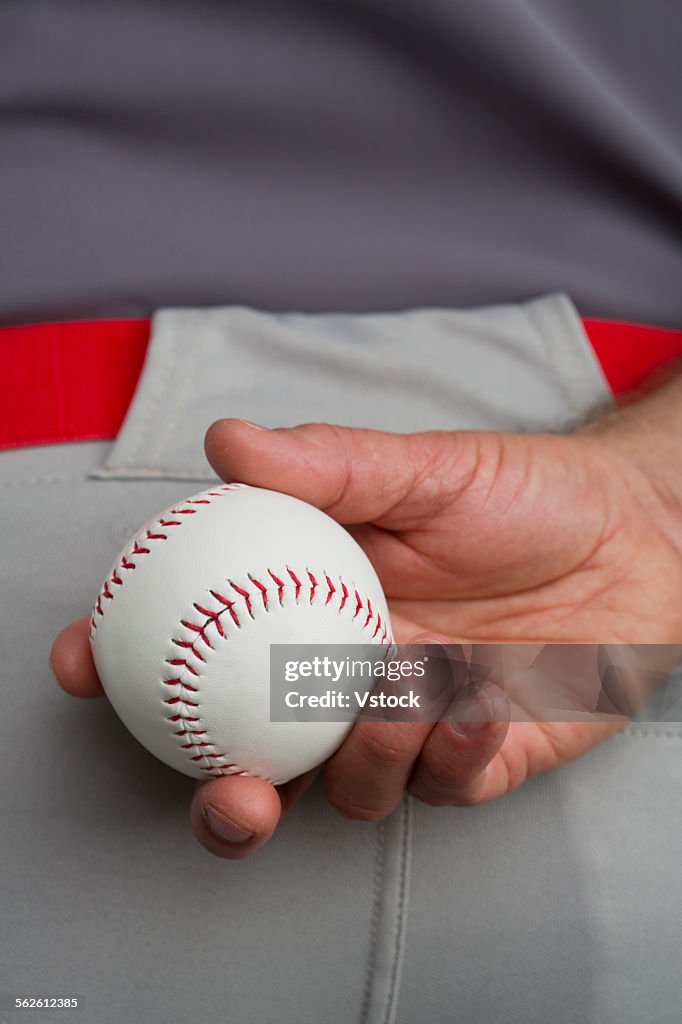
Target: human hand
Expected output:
[477,537]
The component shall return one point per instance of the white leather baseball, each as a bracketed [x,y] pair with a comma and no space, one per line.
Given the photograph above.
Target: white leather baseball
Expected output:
[182,626]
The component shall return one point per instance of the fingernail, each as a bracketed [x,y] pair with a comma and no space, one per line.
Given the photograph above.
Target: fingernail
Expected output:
[223,828]
[469,718]
[255,426]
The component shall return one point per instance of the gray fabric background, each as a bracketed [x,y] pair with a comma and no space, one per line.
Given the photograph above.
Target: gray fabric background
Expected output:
[339,154]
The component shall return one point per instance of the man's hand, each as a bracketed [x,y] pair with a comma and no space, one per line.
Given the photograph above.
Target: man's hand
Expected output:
[477,537]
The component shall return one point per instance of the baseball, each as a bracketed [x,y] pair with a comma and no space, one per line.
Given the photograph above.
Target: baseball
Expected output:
[182,627]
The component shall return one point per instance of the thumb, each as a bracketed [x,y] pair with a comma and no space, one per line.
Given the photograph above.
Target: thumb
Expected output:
[474,513]
[396,481]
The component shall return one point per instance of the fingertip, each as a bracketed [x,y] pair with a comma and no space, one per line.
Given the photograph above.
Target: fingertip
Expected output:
[215,442]
[72,663]
[228,450]
[233,816]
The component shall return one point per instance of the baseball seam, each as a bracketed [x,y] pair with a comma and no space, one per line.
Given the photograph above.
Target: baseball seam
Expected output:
[230,605]
[156,532]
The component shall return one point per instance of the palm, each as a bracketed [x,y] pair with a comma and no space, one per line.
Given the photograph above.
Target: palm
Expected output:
[544,542]
[529,550]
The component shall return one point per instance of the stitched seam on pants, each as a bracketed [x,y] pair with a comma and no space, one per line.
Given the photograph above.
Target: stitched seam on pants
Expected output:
[374,926]
[157,473]
[34,481]
[402,893]
[165,378]
[181,394]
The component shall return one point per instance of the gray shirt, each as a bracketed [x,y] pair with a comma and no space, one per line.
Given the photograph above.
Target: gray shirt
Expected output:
[357,155]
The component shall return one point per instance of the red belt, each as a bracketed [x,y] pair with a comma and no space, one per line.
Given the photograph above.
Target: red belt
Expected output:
[74,381]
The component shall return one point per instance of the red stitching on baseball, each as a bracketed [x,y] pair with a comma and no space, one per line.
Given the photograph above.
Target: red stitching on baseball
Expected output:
[280,585]
[140,549]
[182,662]
[186,643]
[178,682]
[214,619]
[297,582]
[243,593]
[358,605]
[369,614]
[263,591]
[193,626]
[229,605]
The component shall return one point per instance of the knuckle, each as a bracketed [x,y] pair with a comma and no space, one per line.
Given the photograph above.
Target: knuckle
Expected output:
[437,796]
[443,774]
[356,812]
[429,797]
[444,782]
[386,745]
[349,806]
